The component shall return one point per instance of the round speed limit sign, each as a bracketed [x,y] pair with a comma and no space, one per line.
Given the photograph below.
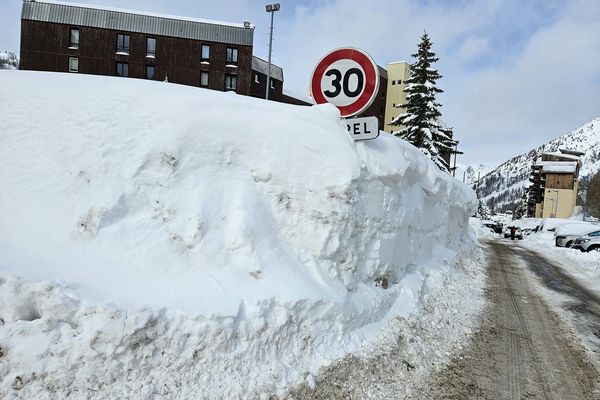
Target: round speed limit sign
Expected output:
[347,78]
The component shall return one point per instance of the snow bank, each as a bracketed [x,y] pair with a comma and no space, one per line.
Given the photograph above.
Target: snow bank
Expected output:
[481,231]
[585,267]
[166,241]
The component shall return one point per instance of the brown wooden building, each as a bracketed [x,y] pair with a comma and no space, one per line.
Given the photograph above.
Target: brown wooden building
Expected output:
[102,41]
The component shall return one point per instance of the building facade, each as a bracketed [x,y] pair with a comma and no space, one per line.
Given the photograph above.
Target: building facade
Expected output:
[377,107]
[260,69]
[553,189]
[101,41]
[397,74]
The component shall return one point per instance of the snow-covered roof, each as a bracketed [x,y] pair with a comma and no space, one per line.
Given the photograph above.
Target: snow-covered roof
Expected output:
[559,167]
[572,152]
[562,155]
[262,66]
[77,14]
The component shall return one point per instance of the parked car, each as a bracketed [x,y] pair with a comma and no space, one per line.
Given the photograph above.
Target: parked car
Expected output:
[566,234]
[589,242]
[496,227]
[518,232]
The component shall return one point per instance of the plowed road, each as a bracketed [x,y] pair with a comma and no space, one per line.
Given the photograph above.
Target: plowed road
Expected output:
[523,350]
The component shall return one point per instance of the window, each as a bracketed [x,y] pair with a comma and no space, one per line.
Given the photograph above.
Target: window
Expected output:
[122,43]
[74,39]
[272,84]
[204,78]
[256,78]
[122,69]
[150,47]
[149,71]
[205,52]
[73,64]
[230,82]
[232,55]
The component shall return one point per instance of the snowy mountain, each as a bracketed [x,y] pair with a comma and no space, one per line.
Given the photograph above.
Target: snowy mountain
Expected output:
[470,172]
[503,187]
[8,60]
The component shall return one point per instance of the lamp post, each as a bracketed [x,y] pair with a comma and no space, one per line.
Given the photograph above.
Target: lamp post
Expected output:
[271,8]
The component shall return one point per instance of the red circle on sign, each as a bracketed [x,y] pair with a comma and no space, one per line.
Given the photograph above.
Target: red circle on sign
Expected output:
[371,79]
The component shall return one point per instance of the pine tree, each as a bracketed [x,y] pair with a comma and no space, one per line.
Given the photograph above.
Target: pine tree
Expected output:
[421,120]
[483,212]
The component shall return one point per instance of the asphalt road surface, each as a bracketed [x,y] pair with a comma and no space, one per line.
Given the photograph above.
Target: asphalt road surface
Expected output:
[523,350]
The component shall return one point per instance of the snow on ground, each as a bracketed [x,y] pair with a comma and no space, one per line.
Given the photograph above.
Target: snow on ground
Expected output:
[585,267]
[481,231]
[163,241]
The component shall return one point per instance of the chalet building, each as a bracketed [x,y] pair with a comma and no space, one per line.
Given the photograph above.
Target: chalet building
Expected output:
[553,189]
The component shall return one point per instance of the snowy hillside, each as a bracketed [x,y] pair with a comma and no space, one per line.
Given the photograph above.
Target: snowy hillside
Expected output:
[502,188]
[8,60]
[165,241]
[470,172]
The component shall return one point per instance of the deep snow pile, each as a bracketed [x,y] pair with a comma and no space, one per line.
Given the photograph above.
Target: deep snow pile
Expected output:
[170,241]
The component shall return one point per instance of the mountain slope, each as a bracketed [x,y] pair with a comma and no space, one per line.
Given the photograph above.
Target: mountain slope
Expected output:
[8,60]
[502,188]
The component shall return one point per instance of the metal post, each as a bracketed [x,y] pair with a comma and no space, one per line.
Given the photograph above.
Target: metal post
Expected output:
[271,9]
[455,155]
[586,184]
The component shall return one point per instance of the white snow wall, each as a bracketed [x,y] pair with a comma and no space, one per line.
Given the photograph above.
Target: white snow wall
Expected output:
[150,229]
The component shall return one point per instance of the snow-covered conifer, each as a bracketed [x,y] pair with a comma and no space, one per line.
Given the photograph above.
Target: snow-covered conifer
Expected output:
[421,121]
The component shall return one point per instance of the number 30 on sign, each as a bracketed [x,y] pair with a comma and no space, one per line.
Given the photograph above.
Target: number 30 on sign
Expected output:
[347,78]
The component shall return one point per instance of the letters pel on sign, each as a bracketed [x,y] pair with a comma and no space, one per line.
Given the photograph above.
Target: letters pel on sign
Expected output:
[347,78]
[363,128]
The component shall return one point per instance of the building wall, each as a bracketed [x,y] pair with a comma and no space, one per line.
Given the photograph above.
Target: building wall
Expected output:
[398,73]
[377,108]
[559,203]
[45,47]
[258,89]
[538,210]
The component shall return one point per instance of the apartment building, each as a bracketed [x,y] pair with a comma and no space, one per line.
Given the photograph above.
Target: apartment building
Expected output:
[397,74]
[553,189]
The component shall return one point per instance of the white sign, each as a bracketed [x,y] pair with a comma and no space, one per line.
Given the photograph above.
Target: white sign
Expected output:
[362,128]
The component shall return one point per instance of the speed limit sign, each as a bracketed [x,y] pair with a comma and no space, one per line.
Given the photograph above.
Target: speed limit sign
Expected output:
[347,78]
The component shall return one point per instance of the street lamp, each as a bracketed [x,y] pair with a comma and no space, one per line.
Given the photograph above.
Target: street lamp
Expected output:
[271,8]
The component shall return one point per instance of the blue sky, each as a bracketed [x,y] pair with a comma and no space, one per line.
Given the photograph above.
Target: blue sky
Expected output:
[515,73]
